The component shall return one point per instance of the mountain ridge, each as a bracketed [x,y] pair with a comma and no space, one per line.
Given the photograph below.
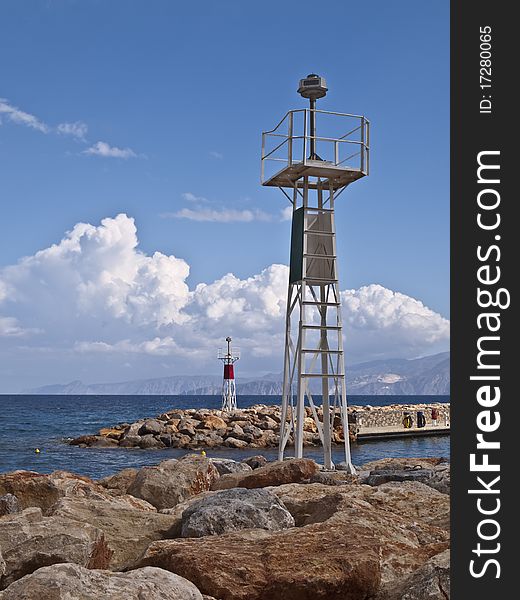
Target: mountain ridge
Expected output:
[429,375]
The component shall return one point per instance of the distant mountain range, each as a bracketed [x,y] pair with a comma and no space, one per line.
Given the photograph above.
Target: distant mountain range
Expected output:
[421,376]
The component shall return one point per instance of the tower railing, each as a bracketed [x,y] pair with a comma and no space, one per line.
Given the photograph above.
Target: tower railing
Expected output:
[343,142]
[223,353]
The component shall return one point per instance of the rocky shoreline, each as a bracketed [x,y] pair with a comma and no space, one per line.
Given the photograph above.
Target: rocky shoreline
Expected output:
[217,529]
[254,427]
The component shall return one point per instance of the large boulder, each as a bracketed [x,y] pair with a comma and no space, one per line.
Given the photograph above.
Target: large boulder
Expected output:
[96,441]
[235,509]
[345,556]
[330,564]
[226,465]
[68,581]
[43,491]
[119,483]
[275,473]
[173,481]
[29,541]
[213,422]
[151,426]
[255,462]
[415,501]
[128,528]
[429,582]
[379,476]
[412,501]
[31,489]
[434,472]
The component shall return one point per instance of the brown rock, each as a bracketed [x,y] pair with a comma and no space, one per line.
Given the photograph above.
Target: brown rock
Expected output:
[255,462]
[326,563]
[410,519]
[31,489]
[151,427]
[127,525]
[275,473]
[119,483]
[214,422]
[68,581]
[111,432]
[30,541]
[98,441]
[172,481]
[268,423]
[180,441]
[130,441]
[235,443]
[429,582]
[150,441]
[415,502]
[309,425]
[171,425]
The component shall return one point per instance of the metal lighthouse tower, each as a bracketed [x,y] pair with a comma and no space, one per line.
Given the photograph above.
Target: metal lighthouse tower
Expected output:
[312,171]
[229,392]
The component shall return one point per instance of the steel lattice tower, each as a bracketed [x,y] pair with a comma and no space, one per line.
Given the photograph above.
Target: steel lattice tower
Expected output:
[229,392]
[312,182]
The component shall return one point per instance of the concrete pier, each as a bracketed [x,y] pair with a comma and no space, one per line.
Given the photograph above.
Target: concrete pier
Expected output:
[381,433]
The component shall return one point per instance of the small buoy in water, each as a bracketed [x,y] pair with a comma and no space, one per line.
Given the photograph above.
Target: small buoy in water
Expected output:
[37,451]
[203,453]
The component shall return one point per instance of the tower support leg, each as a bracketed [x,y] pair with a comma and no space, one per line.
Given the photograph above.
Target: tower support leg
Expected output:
[313,339]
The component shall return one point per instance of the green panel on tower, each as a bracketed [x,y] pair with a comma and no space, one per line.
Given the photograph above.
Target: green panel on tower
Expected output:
[295,273]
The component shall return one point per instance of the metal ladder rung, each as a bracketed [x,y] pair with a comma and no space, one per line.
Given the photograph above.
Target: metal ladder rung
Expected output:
[321,351]
[318,210]
[319,232]
[328,375]
[328,256]
[313,303]
[317,280]
[333,327]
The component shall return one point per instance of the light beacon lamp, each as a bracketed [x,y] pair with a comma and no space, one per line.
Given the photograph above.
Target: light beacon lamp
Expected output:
[313,87]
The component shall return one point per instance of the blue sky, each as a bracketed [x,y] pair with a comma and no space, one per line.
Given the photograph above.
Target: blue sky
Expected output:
[182,92]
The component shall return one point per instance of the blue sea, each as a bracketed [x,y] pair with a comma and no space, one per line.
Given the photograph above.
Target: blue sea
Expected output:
[46,422]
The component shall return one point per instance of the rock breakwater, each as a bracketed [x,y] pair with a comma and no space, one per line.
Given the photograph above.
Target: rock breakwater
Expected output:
[254,427]
[264,533]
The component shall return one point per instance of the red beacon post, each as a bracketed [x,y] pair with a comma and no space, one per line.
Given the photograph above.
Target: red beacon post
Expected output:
[229,393]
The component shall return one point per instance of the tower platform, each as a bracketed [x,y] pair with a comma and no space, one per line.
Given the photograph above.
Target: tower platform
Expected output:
[292,175]
[338,157]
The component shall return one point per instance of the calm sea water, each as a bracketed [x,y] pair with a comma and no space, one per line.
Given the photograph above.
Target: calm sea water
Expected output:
[29,422]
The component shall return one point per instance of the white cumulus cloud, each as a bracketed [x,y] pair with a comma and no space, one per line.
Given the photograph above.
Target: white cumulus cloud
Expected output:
[108,151]
[95,296]
[77,129]
[20,117]
[381,321]
[96,279]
